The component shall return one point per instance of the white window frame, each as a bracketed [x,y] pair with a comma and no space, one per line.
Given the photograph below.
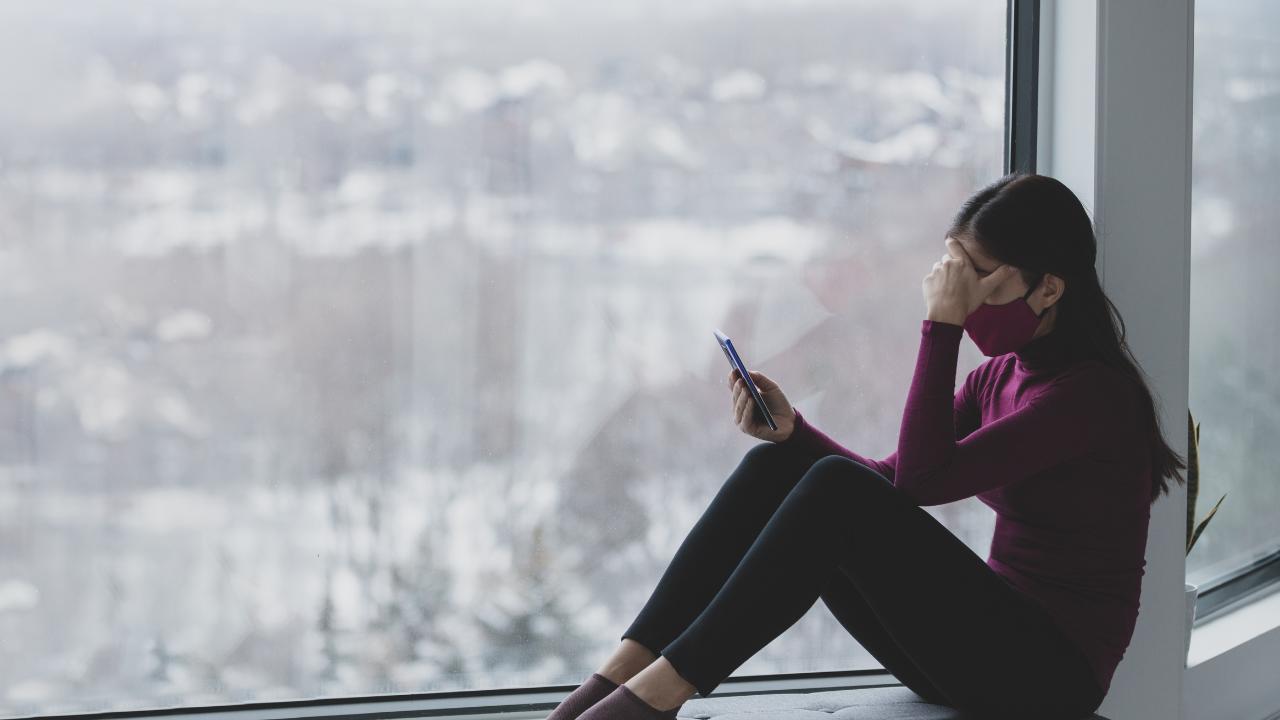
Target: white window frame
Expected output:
[1129,66]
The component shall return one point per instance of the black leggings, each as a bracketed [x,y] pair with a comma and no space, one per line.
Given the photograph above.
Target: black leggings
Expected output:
[777,537]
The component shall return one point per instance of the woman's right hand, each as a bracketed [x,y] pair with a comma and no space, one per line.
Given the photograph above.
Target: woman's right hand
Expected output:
[748,417]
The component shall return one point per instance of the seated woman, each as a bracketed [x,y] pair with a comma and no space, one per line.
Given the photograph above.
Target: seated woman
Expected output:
[1056,432]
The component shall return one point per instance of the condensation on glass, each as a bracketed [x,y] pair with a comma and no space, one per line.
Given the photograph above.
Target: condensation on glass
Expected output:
[365,347]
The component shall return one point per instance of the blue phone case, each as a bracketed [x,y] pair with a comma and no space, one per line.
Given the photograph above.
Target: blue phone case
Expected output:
[736,362]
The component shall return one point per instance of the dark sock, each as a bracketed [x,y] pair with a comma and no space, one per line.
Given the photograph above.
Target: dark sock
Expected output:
[622,704]
[591,691]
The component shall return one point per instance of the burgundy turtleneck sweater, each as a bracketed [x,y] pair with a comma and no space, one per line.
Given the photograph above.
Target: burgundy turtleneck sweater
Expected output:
[1054,446]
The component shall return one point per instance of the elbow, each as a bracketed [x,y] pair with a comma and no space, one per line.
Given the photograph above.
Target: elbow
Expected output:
[908,487]
[919,490]
[916,496]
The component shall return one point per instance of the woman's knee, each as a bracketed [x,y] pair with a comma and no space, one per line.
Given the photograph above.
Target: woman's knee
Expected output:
[845,467]
[855,471]
[839,476]
[759,471]
[764,460]
[761,453]
[766,475]
[831,475]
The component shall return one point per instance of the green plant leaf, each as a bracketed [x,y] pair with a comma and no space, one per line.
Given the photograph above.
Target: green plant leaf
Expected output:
[1207,518]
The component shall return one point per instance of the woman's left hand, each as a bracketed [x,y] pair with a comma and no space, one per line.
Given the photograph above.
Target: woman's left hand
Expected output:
[953,289]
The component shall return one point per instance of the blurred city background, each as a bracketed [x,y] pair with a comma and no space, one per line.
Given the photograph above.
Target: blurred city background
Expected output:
[366,347]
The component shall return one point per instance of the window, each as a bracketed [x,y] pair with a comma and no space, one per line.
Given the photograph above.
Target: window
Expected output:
[367,347]
[1234,349]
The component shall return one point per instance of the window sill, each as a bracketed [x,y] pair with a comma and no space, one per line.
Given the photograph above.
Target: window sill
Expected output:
[763,685]
[511,704]
[1250,620]
[1230,666]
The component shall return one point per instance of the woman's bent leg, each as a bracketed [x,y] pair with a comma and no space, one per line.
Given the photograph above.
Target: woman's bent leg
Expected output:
[781,576]
[975,639]
[716,544]
[848,606]
[984,645]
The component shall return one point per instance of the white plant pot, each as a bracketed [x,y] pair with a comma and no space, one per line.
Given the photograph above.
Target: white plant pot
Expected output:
[1191,591]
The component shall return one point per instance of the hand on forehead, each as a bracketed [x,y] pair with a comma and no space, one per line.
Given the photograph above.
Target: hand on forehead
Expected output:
[961,248]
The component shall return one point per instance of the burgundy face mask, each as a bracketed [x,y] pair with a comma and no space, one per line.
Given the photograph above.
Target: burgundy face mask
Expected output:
[1000,329]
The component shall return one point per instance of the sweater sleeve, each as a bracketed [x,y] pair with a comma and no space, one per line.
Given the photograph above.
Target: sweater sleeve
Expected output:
[811,443]
[1075,414]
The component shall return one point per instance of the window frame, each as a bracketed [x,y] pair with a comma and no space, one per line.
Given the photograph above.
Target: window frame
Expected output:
[1227,591]
[1021,82]
[1020,148]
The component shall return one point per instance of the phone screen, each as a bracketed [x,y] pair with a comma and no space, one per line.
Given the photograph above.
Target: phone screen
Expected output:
[736,362]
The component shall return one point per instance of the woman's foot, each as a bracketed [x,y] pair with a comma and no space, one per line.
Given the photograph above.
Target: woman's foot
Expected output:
[660,686]
[622,704]
[591,691]
[630,658]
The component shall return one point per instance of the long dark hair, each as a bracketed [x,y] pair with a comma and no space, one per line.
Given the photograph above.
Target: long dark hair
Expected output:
[1038,225]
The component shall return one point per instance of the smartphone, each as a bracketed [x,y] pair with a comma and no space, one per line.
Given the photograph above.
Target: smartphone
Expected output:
[736,362]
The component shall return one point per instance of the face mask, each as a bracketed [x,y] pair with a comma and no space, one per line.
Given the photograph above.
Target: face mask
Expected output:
[1000,329]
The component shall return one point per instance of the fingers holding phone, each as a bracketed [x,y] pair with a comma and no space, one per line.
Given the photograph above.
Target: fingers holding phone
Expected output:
[759,407]
[747,416]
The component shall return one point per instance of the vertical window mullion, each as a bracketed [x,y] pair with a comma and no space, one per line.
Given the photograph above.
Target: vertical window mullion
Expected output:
[1022,70]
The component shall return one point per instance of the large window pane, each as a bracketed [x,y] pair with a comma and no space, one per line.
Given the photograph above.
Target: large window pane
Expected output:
[364,347]
[1235,349]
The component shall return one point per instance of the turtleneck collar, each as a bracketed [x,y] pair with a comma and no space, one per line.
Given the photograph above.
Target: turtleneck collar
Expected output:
[1047,353]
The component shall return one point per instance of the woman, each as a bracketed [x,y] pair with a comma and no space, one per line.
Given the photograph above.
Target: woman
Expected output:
[1056,432]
